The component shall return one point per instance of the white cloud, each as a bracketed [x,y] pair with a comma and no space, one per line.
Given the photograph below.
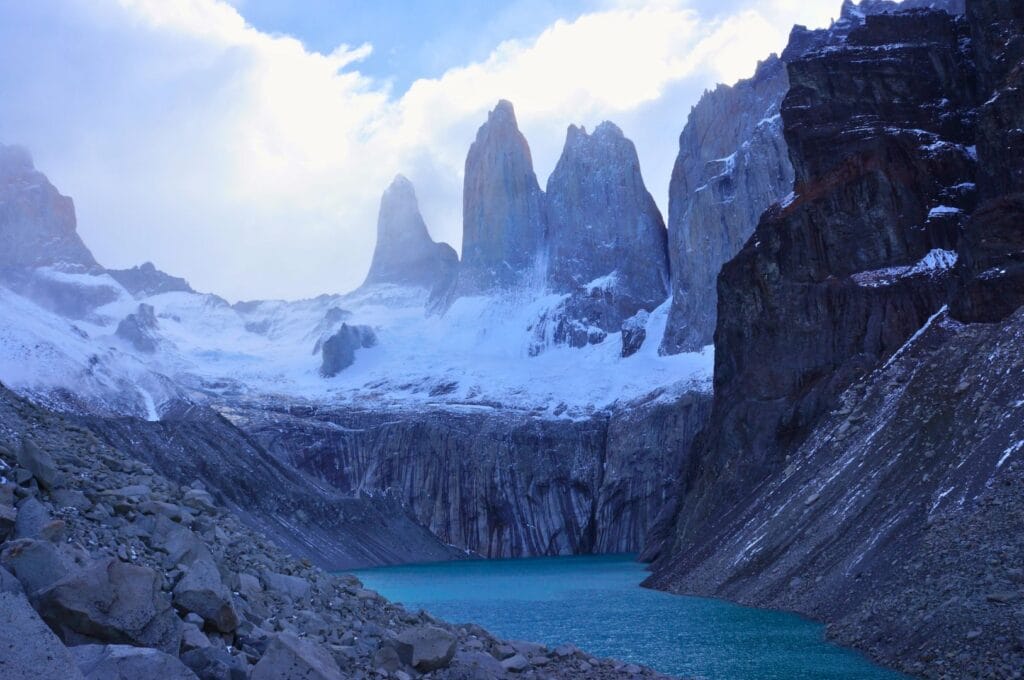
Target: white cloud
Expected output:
[254,167]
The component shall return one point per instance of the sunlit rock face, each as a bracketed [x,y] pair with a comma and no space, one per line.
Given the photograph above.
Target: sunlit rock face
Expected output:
[37,223]
[503,209]
[604,229]
[405,254]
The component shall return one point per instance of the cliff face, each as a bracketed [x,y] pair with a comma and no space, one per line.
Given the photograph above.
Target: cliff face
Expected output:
[405,254]
[503,212]
[37,223]
[499,484]
[603,223]
[732,165]
[858,433]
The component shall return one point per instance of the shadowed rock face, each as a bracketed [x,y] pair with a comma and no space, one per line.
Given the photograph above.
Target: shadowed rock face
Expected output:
[602,222]
[146,280]
[502,484]
[37,223]
[732,165]
[858,432]
[503,209]
[405,254]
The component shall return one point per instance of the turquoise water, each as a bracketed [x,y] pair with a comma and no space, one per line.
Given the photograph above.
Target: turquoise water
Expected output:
[596,603]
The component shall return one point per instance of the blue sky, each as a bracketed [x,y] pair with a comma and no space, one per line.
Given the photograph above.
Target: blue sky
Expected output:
[244,144]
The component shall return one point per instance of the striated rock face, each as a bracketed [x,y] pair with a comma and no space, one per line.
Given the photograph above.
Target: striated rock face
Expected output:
[859,461]
[500,484]
[405,254]
[37,223]
[602,222]
[992,250]
[732,165]
[146,280]
[503,208]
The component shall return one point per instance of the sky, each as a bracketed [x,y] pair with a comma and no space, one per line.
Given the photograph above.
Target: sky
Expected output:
[244,144]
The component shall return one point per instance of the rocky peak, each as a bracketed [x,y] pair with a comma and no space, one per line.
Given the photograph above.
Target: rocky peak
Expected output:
[503,216]
[732,164]
[145,280]
[405,254]
[37,223]
[603,224]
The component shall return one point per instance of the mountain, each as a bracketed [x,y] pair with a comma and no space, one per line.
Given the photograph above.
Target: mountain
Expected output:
[732,164]
[405,254]
[863,426]
[605,233]
[37,223]
[503,226]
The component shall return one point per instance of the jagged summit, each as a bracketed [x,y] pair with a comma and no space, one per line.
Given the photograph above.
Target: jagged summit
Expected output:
[37,223]
[503,213]
[405,254]
[603,223]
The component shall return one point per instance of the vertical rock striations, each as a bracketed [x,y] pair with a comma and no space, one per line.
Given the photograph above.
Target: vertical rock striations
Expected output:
[405,254]
[37,223]
[603,224]
[503,209]
[732,165]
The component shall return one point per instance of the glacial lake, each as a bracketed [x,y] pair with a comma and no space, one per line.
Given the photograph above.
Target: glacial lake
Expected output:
[596,603]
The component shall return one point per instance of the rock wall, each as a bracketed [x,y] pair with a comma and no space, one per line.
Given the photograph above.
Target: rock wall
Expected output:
[732,165]
[500,484]
[859,434]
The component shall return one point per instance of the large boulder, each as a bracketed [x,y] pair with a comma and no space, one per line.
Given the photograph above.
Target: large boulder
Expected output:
[36,564]
[28,649]
[201,591]
[124,662]
[112,602]
[40,464]
[215,663]
[292,587]
[425,648]
[291,658]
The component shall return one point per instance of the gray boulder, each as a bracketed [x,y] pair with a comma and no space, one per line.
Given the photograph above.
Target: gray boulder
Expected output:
[201,591]
[425,648]
[214,663]
[32,518]
[292,587]
[124,662]
[28,649]
[8,520]
[291,658]
[111,602]
[36,564]
[40,464]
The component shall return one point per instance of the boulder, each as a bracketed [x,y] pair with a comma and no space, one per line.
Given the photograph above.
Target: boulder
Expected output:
[112,602]
[291,658]
[425,648]
[36,564]
[292,587]
[40,464]
[28,649]
[8,518]
[201,591]
[516,663]
[124,662]
[215,663]
[32,517]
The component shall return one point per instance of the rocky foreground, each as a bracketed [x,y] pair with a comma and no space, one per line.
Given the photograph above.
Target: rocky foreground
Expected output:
[109,570]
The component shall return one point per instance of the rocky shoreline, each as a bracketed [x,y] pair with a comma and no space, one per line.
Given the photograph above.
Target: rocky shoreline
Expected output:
[110,570]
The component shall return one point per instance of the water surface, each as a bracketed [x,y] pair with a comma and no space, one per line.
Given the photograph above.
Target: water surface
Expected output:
[597,604]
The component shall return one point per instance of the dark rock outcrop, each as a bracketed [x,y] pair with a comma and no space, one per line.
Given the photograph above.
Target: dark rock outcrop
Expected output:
[503,209]
[405,254]
[499,484]
[146,280]
[139,329]
[732,165]
[603,224]
[339,350]
[37,223]
[858,433]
